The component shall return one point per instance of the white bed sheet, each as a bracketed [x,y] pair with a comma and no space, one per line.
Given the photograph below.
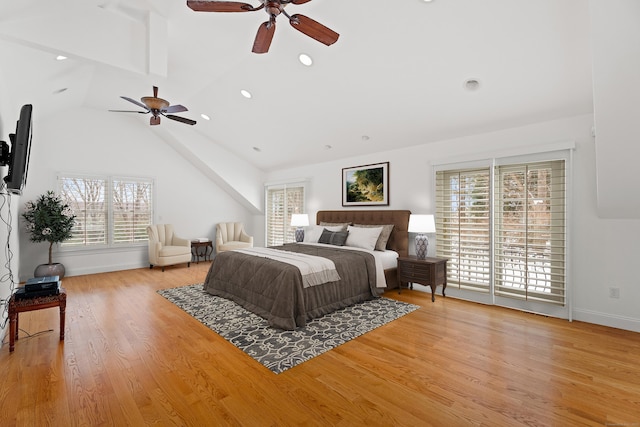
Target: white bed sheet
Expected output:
[384,260]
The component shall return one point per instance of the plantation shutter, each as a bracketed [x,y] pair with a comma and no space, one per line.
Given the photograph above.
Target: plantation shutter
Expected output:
[282,202]
[275,216]
[530,231]
[87,198]
[132,209]
[463,227]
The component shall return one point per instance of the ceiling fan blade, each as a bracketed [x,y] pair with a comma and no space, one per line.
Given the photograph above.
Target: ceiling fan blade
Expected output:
[180,119]
[314,29]
[128,111]
[221,6]
[300,1]
[264,36]
[175,109]
[139,104]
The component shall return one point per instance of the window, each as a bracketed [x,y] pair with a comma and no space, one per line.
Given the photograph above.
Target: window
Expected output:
[109,210]
[282,201]
[513,247]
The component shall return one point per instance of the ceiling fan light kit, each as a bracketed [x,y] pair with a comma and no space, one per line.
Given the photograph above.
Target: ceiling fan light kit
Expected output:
[273,8]
[157,107]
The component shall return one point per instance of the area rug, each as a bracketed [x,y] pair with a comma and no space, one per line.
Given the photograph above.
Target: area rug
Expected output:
[277,349]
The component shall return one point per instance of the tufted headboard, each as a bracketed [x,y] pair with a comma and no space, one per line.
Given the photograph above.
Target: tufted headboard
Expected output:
[399,239]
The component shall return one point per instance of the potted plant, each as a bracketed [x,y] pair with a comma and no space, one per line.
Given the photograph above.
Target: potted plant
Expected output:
[49,219]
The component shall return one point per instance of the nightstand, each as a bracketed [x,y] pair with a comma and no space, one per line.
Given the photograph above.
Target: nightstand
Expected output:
[429,272]
[201,249]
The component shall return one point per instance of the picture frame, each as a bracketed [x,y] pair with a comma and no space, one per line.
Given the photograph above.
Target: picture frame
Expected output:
[366,185]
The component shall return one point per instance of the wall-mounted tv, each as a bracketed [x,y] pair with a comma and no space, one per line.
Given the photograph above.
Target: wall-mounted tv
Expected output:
[17,158]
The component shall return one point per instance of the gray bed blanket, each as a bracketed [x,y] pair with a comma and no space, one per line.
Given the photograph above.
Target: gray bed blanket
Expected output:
[274,290]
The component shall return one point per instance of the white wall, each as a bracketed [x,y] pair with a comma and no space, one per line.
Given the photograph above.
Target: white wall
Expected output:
[98,142]
[615,46]
[8,208]
[601,252]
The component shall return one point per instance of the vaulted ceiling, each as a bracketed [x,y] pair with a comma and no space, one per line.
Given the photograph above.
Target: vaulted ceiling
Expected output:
[395,78]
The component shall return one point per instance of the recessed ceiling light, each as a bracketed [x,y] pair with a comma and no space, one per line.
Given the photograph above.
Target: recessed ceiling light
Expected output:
[204,116]
[60,58]
[246,93]
[328,147]
[471,84]
[365,137]
[305,59]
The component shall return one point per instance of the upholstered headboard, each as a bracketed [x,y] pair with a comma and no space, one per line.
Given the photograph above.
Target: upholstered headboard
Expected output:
[399,239]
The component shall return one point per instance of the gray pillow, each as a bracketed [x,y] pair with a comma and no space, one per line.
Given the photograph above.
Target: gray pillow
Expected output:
[381,244]
[336,238]
[344,225]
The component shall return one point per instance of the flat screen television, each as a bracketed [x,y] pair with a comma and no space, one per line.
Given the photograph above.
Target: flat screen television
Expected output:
[18,157]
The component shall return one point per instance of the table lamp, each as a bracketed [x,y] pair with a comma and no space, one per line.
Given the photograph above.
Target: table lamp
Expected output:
[299,220]
[421,224]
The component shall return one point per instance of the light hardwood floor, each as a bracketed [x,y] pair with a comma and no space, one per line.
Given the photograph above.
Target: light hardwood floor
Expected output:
[132,358]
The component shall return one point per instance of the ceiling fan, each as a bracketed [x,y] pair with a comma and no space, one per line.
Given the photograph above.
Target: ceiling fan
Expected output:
[305,25]
[157,107]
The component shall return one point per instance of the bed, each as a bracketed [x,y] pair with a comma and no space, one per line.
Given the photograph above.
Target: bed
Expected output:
[278,292]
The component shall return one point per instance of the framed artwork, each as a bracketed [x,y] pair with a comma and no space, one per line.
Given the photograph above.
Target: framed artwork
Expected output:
[366,185]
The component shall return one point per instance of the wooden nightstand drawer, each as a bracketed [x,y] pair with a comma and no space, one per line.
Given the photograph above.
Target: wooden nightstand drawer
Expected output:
[417,272]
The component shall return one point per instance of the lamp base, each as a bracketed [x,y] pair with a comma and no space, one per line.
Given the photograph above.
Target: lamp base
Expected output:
[299,234]
[422,244]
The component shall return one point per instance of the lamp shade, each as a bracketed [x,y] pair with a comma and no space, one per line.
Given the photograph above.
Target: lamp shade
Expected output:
[299,220]
[422,224]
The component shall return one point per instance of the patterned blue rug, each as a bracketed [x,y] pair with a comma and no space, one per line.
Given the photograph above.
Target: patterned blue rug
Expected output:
[277,349]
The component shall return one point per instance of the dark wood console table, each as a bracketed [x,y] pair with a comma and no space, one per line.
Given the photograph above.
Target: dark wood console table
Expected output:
[20,305]
[429,272]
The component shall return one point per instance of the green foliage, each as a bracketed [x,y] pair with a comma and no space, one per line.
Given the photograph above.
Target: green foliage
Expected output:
[48,219]
[367,186]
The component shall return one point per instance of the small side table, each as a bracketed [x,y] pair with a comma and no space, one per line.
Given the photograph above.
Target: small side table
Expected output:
[201,250]
[429,272]
[21,305]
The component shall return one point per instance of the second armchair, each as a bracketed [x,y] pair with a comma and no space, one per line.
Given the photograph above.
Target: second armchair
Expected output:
[230,236]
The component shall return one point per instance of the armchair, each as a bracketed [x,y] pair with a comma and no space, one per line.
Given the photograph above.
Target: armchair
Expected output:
[165,248]
[230,236]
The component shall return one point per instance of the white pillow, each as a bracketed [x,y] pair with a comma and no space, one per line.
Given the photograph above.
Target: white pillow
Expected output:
[312,233]
[365,238]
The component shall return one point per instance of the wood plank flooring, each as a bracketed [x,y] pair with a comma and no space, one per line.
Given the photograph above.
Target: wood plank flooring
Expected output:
[131,358]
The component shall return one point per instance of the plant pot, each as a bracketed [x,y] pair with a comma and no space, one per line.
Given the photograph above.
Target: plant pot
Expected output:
[54,269]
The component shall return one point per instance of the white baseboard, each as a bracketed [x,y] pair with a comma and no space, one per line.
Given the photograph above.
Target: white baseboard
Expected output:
[104,269]
[605,319]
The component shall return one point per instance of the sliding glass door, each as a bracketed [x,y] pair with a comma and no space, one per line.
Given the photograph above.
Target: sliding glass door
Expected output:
[503,228]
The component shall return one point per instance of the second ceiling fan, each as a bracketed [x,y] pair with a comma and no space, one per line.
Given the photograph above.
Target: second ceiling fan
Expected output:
[305,25]
[157,107]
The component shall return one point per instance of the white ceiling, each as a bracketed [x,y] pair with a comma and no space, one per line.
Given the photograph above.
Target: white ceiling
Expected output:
[395,75]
